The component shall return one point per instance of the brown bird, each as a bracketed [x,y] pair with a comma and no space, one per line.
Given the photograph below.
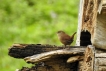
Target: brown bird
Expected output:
[64,38]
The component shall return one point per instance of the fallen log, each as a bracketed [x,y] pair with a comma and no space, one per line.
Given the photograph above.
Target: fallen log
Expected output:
[63,53]
[25,50]
[55,58]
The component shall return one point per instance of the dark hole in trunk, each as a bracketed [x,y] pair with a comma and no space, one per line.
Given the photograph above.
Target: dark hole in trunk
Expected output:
[85,38]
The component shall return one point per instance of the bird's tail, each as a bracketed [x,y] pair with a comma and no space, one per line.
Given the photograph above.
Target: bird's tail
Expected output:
[73,35]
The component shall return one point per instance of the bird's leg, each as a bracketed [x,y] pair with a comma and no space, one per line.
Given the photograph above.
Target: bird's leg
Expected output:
[68,46]
[64,46]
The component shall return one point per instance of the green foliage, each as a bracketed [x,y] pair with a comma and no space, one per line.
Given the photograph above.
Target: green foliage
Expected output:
[33,21]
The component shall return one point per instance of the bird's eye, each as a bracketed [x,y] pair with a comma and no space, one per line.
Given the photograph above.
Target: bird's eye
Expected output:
[58,32]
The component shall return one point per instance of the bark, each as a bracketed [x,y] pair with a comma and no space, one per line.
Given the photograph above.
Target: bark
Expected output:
[74,59]
[89,58]
[100,62]
[25,50]
[92,16]
[64,53]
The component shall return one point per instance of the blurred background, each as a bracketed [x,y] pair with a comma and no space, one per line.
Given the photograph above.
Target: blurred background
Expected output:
[33,21]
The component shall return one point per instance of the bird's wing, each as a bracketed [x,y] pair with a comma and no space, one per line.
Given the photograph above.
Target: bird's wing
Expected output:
[67,38]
